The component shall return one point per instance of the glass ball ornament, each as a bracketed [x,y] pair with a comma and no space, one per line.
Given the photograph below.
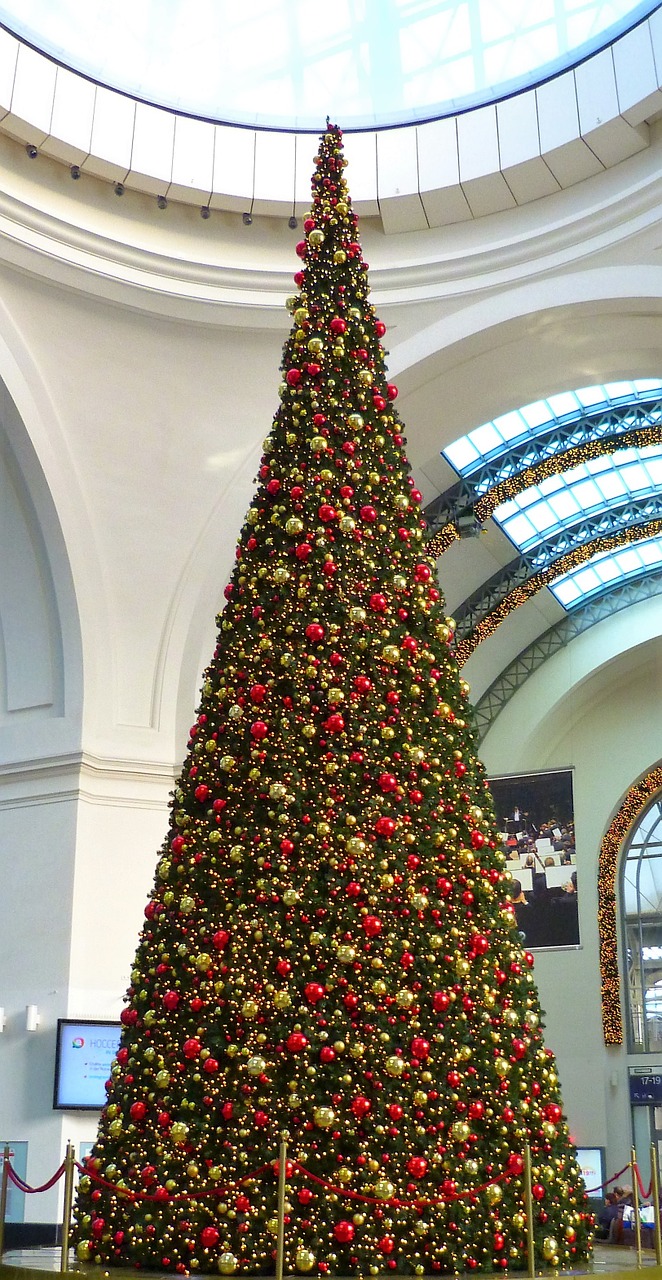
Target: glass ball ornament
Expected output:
[227,1264]
[550,1249]
[255,1065]
[394,1065]
[383,1189]
[324,1117]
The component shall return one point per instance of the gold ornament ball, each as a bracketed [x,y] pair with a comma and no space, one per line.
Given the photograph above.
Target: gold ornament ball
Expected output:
[384,1189]
[282,999]
[549,1248]
[346,955]
[250,1009]
[324,1117]
[304,1259]
[255,1066]
[318,445]
[315,238]
[493,1193]
[179,1132]
[502,1067]
[460,1131]
[519,1221]
[83,1251]
[395,1066]
[290,897]
[227,1264]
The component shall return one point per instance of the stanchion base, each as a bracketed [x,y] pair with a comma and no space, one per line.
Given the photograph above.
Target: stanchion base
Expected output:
[616,1262]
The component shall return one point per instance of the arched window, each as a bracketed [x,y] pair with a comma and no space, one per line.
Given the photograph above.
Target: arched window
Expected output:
[641,897]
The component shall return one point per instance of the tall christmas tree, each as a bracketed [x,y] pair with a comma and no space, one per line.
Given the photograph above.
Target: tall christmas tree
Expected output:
[327,949]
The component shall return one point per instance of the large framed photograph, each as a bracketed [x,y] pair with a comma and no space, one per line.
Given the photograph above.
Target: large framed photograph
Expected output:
[536,825]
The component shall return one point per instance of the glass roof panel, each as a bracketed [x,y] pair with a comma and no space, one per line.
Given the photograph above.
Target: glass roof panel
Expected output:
[624,473]
[283,64]
[573,588]
[489,440]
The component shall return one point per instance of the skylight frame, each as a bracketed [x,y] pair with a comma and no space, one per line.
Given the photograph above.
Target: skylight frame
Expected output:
[417,52]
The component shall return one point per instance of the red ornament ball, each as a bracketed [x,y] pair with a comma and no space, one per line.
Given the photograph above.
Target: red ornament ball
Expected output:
[220,939]
[344,1231]
[315,632]
[361,1107]
[296,1042]
[420,1047]
[417,1166]
[371,925]
[385,827]
[259,730]
[138,1111]
[368,514]
[191,1048]
[258,692]
[314,991]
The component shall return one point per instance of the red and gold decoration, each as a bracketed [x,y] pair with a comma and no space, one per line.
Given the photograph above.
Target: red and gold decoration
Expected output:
[328,949]
[634,803]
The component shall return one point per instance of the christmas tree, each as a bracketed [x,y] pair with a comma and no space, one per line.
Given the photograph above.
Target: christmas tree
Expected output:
[328,949]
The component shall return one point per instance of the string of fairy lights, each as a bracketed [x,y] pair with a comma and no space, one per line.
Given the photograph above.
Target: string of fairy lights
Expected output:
[519,595]
[635,801]
[487,504]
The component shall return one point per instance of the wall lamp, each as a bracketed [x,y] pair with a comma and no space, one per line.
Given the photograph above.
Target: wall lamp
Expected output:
[31,1017]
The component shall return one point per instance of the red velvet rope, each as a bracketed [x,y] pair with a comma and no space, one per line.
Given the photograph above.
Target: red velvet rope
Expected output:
[33,1191]
[644,1194]
[419,1203]
[343,1192]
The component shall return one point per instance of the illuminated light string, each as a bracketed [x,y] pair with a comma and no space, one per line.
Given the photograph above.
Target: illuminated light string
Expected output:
[635,801]
[580,555]
[486,505]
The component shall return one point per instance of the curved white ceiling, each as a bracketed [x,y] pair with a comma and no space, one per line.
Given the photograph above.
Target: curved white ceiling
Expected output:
[285,64]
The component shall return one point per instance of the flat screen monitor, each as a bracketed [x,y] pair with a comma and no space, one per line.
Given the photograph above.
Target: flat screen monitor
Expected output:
[592,1164]
[85,1051]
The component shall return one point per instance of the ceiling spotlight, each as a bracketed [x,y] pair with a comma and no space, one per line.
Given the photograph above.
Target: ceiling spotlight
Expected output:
[119,188]
[74,171]
[161,202]
[32,150]
[293,223]
[247,219]
[205,211]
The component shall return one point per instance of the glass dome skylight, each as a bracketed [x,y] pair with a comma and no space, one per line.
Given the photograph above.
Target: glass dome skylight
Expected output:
[287,63]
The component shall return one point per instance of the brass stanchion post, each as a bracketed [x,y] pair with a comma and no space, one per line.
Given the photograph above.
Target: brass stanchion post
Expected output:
[282,1175]
[66,1208]
[530,1239]
[655,1189]
[3,1197]
[635,1204]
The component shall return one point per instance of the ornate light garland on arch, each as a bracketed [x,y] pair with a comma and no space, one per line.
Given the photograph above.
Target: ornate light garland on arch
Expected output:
[487,504]
[635,801]
[580,555]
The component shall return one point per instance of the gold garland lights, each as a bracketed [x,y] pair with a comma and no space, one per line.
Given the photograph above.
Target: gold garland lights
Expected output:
[635,801]
[580,555]
[486,505]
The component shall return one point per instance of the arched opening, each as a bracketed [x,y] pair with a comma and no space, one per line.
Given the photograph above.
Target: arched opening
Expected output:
[641,899]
